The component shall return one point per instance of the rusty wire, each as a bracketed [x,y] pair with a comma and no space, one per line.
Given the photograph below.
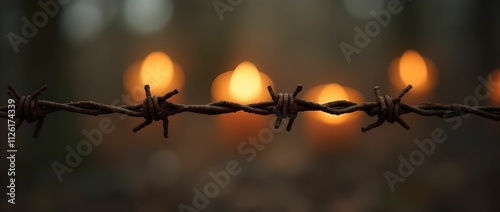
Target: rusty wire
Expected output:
[283,105]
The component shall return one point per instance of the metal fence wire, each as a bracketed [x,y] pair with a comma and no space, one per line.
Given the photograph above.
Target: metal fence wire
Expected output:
[284,105]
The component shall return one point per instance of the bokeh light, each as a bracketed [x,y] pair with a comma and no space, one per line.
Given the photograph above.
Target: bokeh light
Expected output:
[157,71]
[148,16]
[245,84]
[81,21]
[412,68]
[331,92]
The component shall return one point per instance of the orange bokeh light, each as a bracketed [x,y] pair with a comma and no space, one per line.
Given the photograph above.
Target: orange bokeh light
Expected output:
[243,85]
[495,97]
[412,68]
[158,71]
[332,92]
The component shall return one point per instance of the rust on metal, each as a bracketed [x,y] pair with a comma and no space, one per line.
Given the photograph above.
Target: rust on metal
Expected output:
[283,105]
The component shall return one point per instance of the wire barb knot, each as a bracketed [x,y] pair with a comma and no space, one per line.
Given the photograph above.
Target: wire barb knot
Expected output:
[286,107]
[155,109]
[282,105]
[27,108]
[388,109]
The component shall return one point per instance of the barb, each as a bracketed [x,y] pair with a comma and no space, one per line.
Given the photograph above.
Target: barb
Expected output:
[284,106]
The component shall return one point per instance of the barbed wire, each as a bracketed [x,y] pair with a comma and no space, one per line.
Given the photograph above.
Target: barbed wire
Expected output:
[283,105]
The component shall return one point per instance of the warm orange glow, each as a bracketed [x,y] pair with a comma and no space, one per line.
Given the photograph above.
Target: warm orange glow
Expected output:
[495,88]
[332,131]
[245,84]
[330,93]
[498,95]
[157,70]
[413,69]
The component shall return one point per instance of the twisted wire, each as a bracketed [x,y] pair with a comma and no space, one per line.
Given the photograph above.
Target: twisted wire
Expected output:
[283,105]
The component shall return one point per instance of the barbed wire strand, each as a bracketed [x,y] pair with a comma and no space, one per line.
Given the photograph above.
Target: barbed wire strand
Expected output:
[283,105]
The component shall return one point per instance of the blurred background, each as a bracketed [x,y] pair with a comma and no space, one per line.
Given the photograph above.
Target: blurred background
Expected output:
[210,50]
